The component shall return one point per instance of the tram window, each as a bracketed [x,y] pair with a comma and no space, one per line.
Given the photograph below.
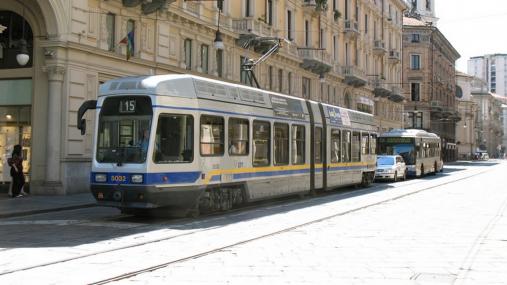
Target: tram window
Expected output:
[281,145]
[346,146]
[174,140]
[212,136]
[356,147]
[335,145]
[364,143]
[298,144]
[373,144]
[318,145]
[238,136]
[261,143]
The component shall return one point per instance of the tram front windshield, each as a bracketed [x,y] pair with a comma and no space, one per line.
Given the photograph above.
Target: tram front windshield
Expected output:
[124,129]
[404,147]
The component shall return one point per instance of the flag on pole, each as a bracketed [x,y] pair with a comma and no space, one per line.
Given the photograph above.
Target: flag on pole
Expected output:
[129,41]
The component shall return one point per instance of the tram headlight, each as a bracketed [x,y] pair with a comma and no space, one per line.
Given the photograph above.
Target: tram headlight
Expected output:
[137,178]
[100,177]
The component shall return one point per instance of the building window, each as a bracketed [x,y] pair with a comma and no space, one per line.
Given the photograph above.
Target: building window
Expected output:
[335,48]
[298,144]
[289,83]
[111,31]
[204,58]
[244,78]
[269,18]
[238,136]
[415,91]
[321,39]
[212,136]
[261,143]
[416,119]
[416,38]
[366,23]
[306,87]
[131,47]
[415,62]
[188,54]
[270,78]
[220,5]
[280,80]
[281,144]
[307,33]
[220,62]
[428,5]
[247,8]
[289,25]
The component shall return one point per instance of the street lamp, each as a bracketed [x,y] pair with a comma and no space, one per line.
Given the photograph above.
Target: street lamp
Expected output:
[218,42]
[22,57]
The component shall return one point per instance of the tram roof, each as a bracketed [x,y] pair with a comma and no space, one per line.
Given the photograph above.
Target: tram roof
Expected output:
[191,86]
[409,133]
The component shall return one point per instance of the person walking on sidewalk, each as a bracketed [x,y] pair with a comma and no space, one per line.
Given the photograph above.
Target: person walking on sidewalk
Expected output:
[18,178]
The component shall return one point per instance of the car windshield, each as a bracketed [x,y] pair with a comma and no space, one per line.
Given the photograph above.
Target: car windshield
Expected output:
[385,160]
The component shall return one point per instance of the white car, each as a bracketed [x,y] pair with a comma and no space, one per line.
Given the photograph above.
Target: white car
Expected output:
[391,167]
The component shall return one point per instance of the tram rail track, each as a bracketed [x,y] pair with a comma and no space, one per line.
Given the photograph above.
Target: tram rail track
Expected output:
[248,240]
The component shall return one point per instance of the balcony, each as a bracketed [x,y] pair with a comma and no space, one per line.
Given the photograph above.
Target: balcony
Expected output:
[380,88]
[379,47]
[394,56]
[354,76]
[249,29]
[351,28]
[396,95]
[250,26]
[315,60]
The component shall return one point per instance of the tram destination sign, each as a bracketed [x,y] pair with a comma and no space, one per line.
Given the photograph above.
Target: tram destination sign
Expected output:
[128,105]
[396,140]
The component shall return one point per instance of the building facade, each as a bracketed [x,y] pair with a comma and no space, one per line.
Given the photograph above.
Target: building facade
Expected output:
[489,129]
[467,108]
[343,52]
[492,68]
[430,81]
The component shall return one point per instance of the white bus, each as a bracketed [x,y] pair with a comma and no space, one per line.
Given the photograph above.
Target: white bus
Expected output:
[420,150]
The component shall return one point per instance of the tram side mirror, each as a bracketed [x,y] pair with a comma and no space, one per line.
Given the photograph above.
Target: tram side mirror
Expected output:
[81,122]
[83,127]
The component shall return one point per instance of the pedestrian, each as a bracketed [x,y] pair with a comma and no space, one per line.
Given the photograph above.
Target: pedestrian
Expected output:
[18,178]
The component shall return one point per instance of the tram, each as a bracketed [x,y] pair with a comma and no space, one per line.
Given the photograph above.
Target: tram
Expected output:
[189,143]
[421,150]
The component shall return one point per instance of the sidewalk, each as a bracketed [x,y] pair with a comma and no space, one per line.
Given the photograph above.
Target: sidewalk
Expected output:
[33,204]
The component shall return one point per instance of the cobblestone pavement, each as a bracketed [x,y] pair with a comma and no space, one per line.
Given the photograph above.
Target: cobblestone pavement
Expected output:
[441,234]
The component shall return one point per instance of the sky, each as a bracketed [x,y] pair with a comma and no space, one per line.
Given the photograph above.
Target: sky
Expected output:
[473,27]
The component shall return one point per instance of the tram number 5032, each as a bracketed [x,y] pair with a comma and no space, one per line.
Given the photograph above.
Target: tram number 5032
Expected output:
[128,106]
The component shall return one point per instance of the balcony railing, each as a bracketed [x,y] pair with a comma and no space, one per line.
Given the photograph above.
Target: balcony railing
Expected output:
[379,47]
[318,61]
[396,94]
[354,76]
[394,56]
[252,26]
[380,88]
[351,28]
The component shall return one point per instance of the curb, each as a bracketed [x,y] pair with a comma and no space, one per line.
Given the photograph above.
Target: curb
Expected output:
[41,211]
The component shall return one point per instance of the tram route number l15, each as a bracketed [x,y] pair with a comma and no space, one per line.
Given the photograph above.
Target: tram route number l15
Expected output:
[128,106]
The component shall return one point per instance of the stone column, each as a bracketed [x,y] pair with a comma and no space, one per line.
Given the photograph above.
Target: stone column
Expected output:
[54,129]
